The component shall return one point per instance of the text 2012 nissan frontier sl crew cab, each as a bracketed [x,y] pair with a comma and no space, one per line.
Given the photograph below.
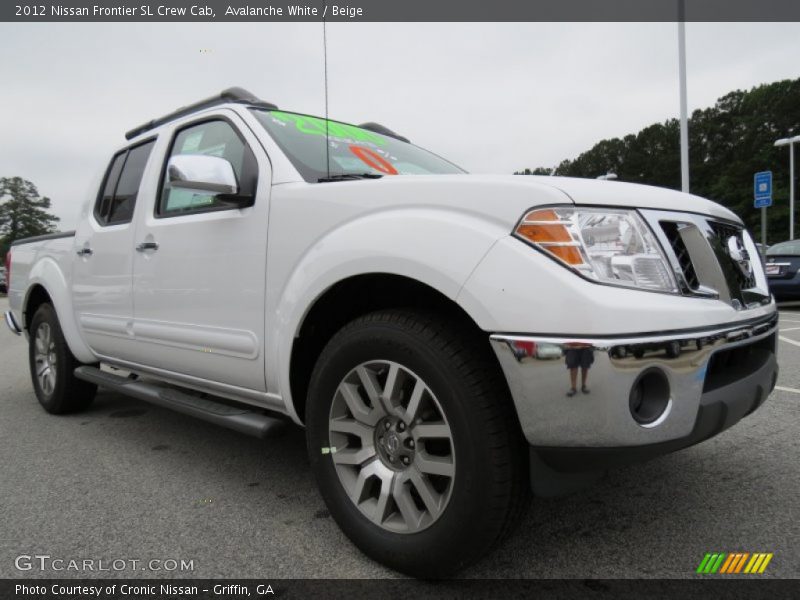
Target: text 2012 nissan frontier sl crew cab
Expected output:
[449,341]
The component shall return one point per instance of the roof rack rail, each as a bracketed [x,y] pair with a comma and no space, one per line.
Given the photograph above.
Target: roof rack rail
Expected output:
[378,128]
[233,94]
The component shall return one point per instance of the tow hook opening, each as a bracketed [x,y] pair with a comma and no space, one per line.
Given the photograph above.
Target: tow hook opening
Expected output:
[650,397]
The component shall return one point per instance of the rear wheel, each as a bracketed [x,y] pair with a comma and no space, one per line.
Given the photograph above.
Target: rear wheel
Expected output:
[413,442]
[52,366]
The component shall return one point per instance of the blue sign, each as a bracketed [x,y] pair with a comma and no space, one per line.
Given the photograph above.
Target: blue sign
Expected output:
[762,189]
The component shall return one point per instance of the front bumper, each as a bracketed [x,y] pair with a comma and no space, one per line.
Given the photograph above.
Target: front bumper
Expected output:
[715,377]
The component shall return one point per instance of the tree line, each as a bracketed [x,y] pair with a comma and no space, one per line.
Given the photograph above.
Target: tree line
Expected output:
[23,212]
[728,143]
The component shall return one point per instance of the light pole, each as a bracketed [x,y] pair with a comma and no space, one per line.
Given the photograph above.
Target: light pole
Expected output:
[684,109]
[790,142]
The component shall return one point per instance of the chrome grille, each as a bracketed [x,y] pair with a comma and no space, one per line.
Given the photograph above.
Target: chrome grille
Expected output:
[672,231]
[710,258]
[724,231]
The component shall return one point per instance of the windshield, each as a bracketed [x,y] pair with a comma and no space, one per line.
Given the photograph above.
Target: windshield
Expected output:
[353,150]
[792,248]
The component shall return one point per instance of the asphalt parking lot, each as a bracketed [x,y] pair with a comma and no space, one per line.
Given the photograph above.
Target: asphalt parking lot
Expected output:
[127,480]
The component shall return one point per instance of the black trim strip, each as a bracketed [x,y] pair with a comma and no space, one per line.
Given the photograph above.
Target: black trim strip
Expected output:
[43,238]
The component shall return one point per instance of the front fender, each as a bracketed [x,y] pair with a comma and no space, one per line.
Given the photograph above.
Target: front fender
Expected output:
[436,246]
[49,275]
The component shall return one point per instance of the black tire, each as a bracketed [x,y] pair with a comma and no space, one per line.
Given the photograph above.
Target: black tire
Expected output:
[68,394]
[490,490]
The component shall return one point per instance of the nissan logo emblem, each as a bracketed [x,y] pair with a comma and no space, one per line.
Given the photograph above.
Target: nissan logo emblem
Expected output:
[739,255]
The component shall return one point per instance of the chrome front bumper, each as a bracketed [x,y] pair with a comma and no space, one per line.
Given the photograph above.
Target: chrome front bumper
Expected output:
[715,377]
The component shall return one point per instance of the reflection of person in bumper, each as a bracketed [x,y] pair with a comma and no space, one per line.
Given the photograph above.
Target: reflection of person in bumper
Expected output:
[578,356]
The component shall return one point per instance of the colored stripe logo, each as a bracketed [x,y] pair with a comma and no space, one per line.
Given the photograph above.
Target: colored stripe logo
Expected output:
[734,562]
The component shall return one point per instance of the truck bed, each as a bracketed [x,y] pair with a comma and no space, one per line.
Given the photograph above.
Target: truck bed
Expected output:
[40,250]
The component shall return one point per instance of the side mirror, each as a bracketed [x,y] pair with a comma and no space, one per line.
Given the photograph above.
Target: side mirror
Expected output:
[203,173]
[210,174]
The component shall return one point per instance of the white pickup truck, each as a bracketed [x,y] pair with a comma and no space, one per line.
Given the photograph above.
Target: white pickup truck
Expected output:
[449,341]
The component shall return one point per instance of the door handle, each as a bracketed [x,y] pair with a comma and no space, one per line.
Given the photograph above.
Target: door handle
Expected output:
[142,247]
[84,252]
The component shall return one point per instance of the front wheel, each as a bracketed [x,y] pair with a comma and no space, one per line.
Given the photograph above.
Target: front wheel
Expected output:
[52,366]
[413,442]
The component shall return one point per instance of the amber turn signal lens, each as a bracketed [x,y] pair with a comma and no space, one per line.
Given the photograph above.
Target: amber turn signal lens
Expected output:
[571,256]
[548,232]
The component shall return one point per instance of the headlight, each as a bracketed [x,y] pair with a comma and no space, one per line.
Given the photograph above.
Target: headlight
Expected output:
[612,246]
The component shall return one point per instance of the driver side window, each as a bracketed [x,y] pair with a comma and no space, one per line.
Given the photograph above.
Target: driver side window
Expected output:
[211,138]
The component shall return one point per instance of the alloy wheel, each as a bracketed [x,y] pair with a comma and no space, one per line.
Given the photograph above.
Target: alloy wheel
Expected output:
[45,358]
[392,446]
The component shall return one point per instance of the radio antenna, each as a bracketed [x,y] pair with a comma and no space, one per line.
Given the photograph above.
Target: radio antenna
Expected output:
[325,55]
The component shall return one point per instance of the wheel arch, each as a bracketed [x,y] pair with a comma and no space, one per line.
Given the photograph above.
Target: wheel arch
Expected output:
[48,284]
[37,295]
[351,298]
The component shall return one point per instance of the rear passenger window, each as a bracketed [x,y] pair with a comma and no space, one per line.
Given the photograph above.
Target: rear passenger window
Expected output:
[104,202]
[121,186]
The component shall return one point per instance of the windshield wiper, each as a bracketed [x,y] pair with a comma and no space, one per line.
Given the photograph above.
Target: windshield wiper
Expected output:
[346,176]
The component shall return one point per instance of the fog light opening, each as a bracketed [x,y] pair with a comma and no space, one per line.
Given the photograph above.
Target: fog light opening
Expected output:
[649,399]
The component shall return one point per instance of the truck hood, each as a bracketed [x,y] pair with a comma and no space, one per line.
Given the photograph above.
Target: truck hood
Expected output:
[503,199]
[634,195]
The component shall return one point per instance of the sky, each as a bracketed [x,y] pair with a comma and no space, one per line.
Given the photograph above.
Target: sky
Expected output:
[491,97]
